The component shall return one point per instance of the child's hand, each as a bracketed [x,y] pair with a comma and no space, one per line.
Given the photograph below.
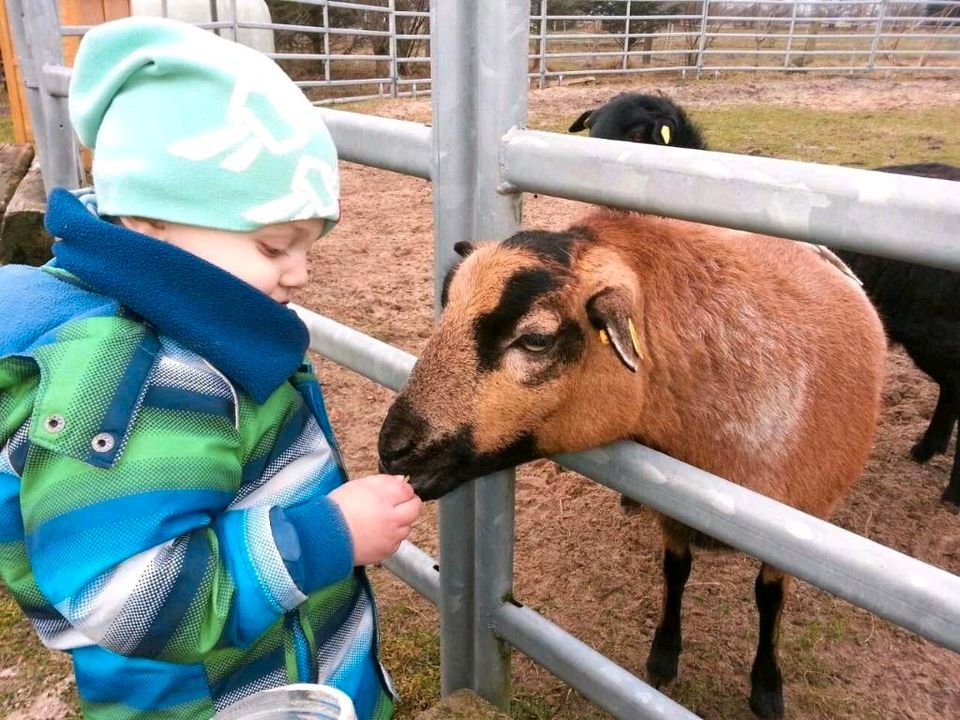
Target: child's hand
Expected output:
[379,510]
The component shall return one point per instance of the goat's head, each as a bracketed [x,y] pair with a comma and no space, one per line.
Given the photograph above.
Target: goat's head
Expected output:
[637,118]
[538,350]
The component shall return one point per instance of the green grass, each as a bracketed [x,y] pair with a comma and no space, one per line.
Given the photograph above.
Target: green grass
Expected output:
[6,129]
[855,139]
[31,668]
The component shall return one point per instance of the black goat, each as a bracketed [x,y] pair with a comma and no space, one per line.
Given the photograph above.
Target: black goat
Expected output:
[920,305]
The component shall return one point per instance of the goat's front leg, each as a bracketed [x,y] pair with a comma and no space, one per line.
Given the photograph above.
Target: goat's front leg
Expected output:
[766,683]
[937,436]
[952,493]
[665,652]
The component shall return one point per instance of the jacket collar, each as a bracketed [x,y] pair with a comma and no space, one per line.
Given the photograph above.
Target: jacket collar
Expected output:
[257,342]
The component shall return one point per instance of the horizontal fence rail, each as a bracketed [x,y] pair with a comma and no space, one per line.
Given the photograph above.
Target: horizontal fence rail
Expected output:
[844,207]
[848,208]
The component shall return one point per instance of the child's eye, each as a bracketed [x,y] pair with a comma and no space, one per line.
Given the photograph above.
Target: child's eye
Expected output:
[271,252]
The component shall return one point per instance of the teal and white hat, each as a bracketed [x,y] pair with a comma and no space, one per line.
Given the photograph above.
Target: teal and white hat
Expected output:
[190,128]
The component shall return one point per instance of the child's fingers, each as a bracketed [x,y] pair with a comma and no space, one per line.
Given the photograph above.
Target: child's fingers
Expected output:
[406,512]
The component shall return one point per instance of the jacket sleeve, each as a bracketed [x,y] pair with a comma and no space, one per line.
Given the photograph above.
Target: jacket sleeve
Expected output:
[153,557]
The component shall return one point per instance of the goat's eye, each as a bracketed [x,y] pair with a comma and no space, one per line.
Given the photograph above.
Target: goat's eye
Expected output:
[535,342]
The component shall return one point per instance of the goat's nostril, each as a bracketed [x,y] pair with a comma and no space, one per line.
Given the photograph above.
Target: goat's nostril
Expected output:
[401,431]
[396,445]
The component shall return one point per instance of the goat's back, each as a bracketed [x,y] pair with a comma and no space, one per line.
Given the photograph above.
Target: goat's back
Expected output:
[767,361]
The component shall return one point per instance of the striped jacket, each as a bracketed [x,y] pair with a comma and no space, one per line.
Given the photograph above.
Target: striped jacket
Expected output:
[165,459]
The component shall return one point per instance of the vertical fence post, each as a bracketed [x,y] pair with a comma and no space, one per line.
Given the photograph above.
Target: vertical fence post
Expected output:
[542,64]
[702,41]
[479,69]
[793,24]
[626,37]
[326,43]
[235,19]
[881,15]
[36,35]
[392,27]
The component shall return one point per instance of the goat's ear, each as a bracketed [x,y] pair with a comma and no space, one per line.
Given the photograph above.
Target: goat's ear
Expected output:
[463,248]
[582,122]
[663,132]
[609,313]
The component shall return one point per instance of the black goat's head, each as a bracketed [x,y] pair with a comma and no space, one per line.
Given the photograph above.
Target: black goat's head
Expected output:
[643,119]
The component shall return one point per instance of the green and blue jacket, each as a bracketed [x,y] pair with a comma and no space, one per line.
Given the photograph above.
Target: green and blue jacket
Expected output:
[165,461]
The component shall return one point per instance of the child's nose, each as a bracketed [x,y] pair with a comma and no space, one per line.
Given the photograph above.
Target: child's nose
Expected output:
[295,274]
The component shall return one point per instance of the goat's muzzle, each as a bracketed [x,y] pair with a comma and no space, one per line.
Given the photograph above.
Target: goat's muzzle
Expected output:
[405,449]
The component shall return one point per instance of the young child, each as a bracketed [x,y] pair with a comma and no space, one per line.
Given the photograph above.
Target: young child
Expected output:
[173,507]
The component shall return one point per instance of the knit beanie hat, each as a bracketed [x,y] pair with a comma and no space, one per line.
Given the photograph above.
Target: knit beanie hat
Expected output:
[188,127]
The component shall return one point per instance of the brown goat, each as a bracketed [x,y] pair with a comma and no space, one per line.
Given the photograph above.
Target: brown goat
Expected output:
[748,356]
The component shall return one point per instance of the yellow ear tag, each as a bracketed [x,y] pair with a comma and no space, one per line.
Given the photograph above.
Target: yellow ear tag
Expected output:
[604,340]
[665,134]
[635,338]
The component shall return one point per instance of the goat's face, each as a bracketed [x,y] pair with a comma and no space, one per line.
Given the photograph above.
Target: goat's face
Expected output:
[532,355]
[637,118]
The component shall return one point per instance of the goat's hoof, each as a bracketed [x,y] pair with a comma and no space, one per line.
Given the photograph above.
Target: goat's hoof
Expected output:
[951,495]
[629,506]
[662,668]
[921,452]
[767,703]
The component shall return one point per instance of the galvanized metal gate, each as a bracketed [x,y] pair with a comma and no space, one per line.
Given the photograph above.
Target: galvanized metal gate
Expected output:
[480,158]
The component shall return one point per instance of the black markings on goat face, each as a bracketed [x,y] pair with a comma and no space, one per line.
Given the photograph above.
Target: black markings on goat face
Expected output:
[548,246]
[447,279]
[524,320]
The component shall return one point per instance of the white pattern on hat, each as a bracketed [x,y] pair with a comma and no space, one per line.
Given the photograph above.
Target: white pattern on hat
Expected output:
[250,114]
[313,193]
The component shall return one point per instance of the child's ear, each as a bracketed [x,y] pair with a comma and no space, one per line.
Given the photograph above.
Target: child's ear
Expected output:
[145,226]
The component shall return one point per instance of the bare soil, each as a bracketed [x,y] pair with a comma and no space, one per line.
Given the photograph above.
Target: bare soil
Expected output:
[595,571]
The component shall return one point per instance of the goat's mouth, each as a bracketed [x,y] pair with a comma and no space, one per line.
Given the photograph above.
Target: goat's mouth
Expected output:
[433,472]
[444,466]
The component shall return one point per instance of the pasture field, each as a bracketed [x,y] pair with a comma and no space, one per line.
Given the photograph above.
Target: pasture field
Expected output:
[579,560]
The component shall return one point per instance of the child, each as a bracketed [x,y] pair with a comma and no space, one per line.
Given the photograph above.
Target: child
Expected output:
[173,510]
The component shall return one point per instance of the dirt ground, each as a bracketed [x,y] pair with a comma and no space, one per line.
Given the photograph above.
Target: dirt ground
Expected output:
[584,564]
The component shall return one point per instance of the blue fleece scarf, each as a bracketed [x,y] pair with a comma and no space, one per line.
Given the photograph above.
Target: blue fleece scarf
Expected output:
[254,340]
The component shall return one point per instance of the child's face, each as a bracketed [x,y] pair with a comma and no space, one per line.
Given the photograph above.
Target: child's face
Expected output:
[273,258]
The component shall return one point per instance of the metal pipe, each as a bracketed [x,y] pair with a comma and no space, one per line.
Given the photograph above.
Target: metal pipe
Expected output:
[372,358]
[898,216]
[36,35]
[396,145]
[392,27]
[452,35]
[416,569]
[917,596]
[701,44]
[594,675]
[626,37]
[790,31]
[542,39]
[876,35]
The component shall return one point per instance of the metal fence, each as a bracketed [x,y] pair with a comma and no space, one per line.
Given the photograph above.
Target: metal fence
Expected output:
[342,51]
[480,159]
